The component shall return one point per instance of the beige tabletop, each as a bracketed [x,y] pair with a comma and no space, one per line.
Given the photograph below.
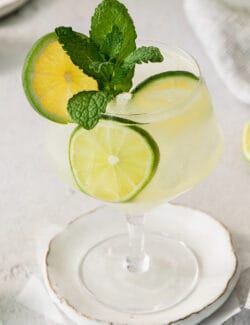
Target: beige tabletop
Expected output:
[32,197]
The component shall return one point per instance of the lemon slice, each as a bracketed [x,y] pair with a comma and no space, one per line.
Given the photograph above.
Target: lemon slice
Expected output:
[245,141]
[113,162]
[50,79]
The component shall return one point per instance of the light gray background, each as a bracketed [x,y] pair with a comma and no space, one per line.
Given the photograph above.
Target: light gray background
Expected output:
[31,195]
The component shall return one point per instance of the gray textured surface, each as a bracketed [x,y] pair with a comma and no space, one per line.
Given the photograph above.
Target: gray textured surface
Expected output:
[32,197]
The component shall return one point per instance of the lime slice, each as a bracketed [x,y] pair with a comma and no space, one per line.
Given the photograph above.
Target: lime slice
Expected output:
[245,141]
[113,162]
[50,79]
[164,91]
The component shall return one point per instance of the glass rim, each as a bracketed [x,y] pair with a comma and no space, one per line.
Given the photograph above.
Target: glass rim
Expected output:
[181,103]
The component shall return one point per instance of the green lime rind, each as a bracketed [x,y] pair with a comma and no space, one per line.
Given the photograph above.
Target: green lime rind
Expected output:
[244,141]
[120,120]
[163,75]
[27,75]
[155,152]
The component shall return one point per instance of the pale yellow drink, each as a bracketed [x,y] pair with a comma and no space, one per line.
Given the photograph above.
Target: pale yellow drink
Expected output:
[182,123]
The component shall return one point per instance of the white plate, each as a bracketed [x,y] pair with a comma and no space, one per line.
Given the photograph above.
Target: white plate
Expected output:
[210,241]
[7,6]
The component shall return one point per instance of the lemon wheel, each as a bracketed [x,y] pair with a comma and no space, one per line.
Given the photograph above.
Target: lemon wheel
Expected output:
[50,79]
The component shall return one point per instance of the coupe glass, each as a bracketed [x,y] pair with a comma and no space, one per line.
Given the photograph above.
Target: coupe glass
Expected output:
[134,272]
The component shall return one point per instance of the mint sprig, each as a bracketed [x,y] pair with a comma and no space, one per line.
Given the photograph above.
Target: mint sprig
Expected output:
[109,55]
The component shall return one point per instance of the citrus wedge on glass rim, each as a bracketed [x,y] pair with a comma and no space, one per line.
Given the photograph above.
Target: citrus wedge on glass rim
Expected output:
[245,141]
[162,90]
[50,79]
[112,162]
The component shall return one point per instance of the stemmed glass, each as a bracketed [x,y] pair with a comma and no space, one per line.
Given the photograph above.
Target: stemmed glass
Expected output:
[138,272]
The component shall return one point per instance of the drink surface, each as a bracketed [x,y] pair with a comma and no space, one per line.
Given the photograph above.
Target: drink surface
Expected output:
[182,123]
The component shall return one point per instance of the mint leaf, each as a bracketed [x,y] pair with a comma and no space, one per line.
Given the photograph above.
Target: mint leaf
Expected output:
[107,14]
[82,51]
[122,79]
[105,69]
[87,107]
[123,75]
[112,43]
[143,54]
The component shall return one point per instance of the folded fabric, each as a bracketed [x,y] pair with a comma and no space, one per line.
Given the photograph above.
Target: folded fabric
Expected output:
[35,297]
[243,4]
[223,28]
[7,6]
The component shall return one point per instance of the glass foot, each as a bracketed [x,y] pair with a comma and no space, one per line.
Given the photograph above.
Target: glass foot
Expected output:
[171,276]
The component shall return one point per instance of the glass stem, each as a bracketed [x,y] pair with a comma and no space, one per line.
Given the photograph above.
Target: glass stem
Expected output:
[137,260]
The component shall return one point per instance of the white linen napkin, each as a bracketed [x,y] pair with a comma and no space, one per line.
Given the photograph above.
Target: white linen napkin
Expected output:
[228,310]
[223,27]
[35,297]
[7,6]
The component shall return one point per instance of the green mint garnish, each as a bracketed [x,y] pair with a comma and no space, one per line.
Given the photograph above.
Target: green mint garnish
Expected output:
[109,55]
[122,79]
[110,13]
[87,107]
[143,55]
[82,51]
[112,43]
[103,69]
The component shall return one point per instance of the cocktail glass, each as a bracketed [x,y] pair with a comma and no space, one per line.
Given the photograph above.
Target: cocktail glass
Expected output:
[138,272]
